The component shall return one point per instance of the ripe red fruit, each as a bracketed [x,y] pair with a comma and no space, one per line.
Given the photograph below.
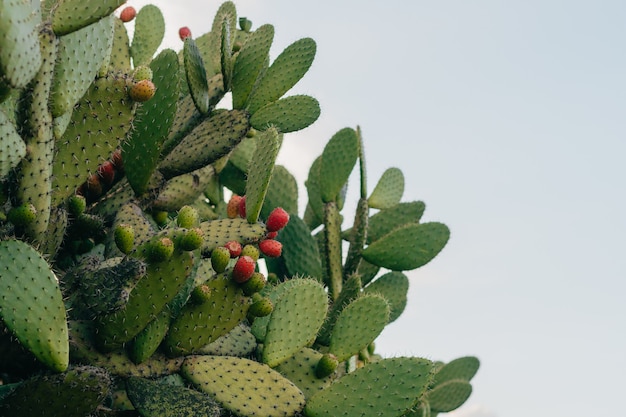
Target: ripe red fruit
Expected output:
[106,171]
[271,248]
[243,269]
[242,207]
[232,208]
[234,248]
[277,219]
[184,33]
[116,160]
[271,235]
[128,14]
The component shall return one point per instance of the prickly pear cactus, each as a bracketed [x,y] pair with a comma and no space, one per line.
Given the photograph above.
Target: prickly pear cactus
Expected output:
[152,258]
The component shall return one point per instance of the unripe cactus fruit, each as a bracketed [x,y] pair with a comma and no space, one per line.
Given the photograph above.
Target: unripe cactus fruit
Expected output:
[243,269]
[271,248]
[251,251]
[187,217]
[277,219]
[128,14]
[142,72]
[234,248]
[219,259]
[124,236]
[184,33]
[232,208]
[160,217]
[327,364]
[160,250]
[76,205]
[142,91]
[192,239]
[261,306]
[22,215]
[255,284]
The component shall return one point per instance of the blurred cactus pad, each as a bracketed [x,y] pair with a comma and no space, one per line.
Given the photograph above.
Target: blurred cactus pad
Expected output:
[153,260]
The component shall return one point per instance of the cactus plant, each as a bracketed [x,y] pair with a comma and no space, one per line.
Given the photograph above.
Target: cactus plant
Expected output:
[131,283]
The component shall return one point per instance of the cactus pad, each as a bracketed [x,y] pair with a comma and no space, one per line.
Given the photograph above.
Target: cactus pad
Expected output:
[71,15]
[12,147]
[238,342]
[149,32]
[388,191]
[387,220]
[219,232]
[388,388]
[287,114]
[393,286]
[300,369]
[338,159]
[282,192]
[300,251]
[31,304]
[449,395]
[196,75]
[461,368]
[244,387]
[260,172]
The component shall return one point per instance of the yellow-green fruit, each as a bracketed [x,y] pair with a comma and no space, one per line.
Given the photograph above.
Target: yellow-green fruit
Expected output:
[22,215]
[251,251]
[124,236]
[188,217]
[327,364]
[192,239]
[255,284]
[161,250]
[141,73]
[261,306]
[220,257]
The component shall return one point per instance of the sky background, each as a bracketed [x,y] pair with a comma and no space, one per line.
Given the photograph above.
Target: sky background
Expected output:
[507,119]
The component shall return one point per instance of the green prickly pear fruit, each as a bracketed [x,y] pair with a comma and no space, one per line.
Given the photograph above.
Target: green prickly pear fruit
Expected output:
[128,14]
[76,205]
[277,219]
[142,72]
[220,257]
[271,248]
[184,33]
[255,284]
[142,91]
[232,209]
[261,306]
[243,269]
[251,251]
[124,236]
[188,217]
[192,239]
[160,250]
[160,217]
[245,24]
[327,364]
[234,248]
[22,215]
[201,294]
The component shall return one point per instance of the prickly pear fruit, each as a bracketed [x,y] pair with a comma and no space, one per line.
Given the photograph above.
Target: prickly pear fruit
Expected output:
[187,217]
[251,251]
[255,284]
[184,33]
[192,239]
[142,91]
[271,248]
[106,172]
[277,219]
[22,215]
[142,72]
[234,248]
[76,205]
[261,306]
[241,208]
[232,209]
[327,364]
[219,259]
[160,250]
[128,14]
[243,269]
[124,236]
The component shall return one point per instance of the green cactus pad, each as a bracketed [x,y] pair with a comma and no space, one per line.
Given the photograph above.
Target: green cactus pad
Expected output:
[71,15]
[388,191]
[288,68]
[61,123]
[282,192]
[149,32]
[119,59]
[393,286]
[20,57]
[152,123]
[100,122]
[196,76]
[357,237]
[203,323]
[300,251]
[243,153]
[387,220]
[300,369]
[260,172]
[388,388]
[219,232]
[155,399]
[32,305]
[461,368]
[358,325]
[245,387]
[12,147]
[206,143]
[314,192]
[162,282]
[297,317]
[349,291]
[143,229]
[408,247]
[57,227]
[80,56]
[287,114]
[249,64]
[148,340]
[75,393]
[338,159]
[238,342]
[184,189]
[225,18]
[332,249]
[449,395]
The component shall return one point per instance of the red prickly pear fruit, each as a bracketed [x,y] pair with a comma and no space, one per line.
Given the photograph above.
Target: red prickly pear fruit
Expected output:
[255,284]
[187,217]
[106,172]
[277,219]
[76,205]
[261,306]
[22,215]
[124,236]
[220,257]
[243,269]
[327,364]
[116,160]
[234,248]
[184,33]
[241,208]
[128,14]
[232,208]
[93,187]
[142,91]
[192,239]
[271,235]
[271,248]
[251,251]
[161,250]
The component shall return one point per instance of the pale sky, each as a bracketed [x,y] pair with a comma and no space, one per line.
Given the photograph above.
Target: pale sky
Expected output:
[507,119]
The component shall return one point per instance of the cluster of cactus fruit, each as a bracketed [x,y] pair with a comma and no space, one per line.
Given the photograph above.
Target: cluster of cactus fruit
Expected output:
[152,259]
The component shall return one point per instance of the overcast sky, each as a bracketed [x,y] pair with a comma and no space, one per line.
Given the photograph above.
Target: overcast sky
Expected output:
[507,119]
